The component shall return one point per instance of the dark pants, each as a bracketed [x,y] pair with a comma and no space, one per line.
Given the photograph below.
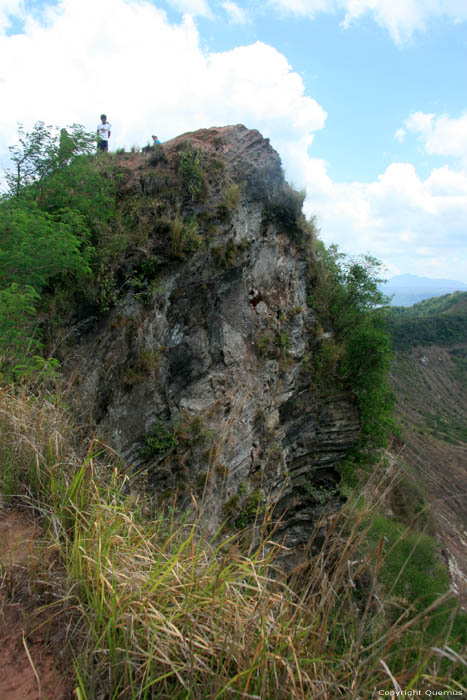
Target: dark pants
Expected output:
[103,145]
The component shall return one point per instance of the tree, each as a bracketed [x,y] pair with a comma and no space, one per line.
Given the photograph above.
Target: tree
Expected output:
[46,232]
[41,151]
[347,296]
[36,246]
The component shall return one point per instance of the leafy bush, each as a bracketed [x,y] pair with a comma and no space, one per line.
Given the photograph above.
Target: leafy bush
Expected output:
[286,209]
[20,346]
[157,154]
[411,572]
[36,246]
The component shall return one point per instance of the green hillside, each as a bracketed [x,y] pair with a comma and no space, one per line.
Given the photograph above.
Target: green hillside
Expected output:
[440,320]
[429,379]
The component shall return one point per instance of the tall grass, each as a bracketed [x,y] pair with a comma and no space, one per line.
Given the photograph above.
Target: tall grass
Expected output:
[160,608]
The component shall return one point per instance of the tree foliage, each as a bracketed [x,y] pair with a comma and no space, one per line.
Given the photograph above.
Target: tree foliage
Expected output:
[346,295]
[36,245]
[41,151]
[58,208]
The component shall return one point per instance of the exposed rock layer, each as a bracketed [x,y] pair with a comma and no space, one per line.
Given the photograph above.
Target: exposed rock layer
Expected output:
[220,354]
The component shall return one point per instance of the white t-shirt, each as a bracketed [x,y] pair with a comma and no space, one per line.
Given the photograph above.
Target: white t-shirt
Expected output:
[104,130]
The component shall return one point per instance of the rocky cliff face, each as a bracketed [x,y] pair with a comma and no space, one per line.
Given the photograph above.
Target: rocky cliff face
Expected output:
[200,373]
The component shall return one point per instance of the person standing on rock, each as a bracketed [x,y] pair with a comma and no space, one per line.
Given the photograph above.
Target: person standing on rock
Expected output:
[103,133]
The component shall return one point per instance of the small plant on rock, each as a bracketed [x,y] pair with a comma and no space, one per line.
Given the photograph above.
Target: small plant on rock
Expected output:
[191,174]
[157,440]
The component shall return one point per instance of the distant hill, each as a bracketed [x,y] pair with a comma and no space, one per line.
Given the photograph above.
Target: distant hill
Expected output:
[436,321]
[406,290]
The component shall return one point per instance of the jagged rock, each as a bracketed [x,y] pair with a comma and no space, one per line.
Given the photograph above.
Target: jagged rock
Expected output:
[218,356]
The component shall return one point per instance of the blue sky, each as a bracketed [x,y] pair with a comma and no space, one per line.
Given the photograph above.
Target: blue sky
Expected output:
[365,100]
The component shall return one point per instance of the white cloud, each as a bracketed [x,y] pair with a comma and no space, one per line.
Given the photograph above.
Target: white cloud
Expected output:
[412,224]
[8,9]
[441,135]
[400,135]
[401,18]
[147,74]
[193,7]
[236,14]
[255,83]
[308,8]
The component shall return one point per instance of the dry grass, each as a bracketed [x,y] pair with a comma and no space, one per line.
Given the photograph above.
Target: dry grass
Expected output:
[156,608]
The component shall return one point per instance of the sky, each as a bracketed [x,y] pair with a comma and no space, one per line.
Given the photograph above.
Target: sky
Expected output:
[364,100]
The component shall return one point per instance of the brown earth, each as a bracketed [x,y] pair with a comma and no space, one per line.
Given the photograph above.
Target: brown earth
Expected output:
[32,664]
[432,407]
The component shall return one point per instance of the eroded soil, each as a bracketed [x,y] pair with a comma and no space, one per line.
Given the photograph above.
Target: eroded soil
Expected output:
[31,662]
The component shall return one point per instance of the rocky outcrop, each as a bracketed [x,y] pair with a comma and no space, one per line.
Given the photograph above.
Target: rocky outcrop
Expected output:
[201,372]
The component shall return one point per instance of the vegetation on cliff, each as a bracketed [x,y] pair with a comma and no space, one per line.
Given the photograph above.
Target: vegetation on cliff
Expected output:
[358,352]
[72,221]
[153,603]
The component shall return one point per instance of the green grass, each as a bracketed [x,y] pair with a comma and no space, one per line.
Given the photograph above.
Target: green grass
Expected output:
[156,605]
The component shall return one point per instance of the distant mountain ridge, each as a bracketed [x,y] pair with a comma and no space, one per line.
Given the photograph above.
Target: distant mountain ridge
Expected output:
[405,290]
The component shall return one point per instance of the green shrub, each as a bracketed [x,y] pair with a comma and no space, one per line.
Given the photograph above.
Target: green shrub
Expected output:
[36,246]
[55,229]
[157,440]
[325,362]
[156,155]
[42,151]
[20,346]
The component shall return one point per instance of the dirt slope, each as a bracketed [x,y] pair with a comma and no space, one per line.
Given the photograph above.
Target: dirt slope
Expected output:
[431,395]
[31,663]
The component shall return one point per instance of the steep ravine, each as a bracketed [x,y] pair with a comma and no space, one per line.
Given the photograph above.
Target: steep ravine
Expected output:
[203,378]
